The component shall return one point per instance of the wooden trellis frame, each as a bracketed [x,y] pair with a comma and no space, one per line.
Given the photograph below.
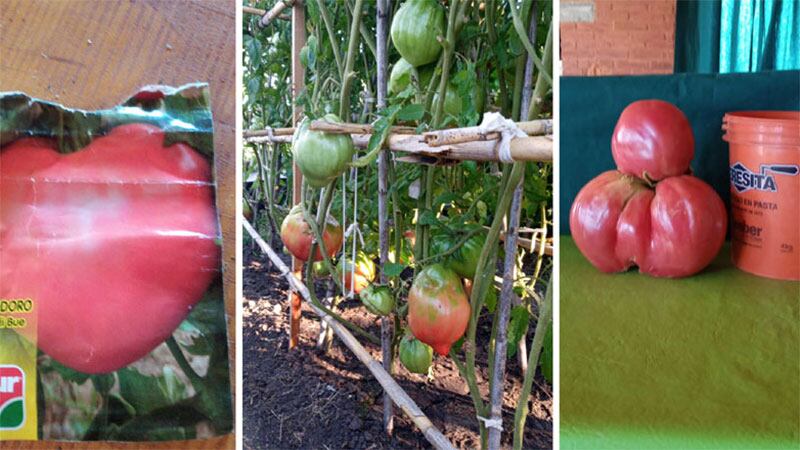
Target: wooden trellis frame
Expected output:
[438,146]
[453,144]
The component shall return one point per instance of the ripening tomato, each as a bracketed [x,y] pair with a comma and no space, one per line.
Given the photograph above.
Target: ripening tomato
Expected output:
[674,230]
[297,235]
[359,275]
[652,140]
[438,308]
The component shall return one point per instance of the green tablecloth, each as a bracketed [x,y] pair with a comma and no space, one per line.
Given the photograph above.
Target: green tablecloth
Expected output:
[710,361]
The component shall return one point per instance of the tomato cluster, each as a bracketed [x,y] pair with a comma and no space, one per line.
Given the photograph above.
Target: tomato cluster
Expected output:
[650,212]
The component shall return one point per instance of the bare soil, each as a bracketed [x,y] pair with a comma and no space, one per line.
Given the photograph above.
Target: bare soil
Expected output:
[307,399]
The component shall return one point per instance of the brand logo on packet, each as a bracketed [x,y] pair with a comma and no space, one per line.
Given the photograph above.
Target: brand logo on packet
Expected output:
[743,179]
[12,397]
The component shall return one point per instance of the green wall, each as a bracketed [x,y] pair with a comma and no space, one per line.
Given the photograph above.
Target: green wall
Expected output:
[590,107]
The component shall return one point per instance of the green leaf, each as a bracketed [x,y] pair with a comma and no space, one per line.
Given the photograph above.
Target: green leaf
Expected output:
[393,269]
[517,327]
[69,374]
[411,112]
[428,218]
[546,359]
[446,197]
[141,391]
[380,131]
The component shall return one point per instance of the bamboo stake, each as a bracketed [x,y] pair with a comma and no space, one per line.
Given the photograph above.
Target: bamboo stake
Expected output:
[298,84]
[353,128]
[503,315]
[531,148]
[261,12]
[530,243]
[432,138]
[470,134]
[384,7]
[395,392]
[268,132]
[275,12]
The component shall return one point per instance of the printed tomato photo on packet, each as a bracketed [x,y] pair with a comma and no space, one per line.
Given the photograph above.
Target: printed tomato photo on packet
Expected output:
[116,194]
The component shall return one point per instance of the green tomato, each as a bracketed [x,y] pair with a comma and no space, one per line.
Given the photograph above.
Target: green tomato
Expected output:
[415,355]
[403,73]
[321,157]
[452,101]
[320,269]
[400,78]
[414,30]
[304,56]
[465,259]
[378,300]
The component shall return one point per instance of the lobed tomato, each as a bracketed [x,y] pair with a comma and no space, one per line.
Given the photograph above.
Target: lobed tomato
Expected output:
[415,27]
[672,230]
[320,156]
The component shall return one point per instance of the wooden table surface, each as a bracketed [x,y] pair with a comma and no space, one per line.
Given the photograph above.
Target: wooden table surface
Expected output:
[94,55]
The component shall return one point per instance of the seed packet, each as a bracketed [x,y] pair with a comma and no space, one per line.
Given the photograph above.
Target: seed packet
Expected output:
[112,320]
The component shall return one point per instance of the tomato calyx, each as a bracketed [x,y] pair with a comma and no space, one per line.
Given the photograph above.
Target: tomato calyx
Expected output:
[651,183]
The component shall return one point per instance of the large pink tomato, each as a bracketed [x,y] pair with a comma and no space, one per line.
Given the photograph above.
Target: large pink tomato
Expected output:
[653,140]
[674,230]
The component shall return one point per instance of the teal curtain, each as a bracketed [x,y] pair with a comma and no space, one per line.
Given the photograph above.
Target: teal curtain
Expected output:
[722,36]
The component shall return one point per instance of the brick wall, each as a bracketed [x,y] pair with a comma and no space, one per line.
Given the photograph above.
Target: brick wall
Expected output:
[617,37]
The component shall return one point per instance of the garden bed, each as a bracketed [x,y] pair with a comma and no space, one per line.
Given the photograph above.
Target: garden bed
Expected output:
[306,399]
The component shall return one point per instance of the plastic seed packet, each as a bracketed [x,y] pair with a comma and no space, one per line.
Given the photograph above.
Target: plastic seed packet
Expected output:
[112,320]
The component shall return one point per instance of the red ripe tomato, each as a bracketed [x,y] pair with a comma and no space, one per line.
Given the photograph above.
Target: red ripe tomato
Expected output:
[438,308]
[653,140]
[674,230]
[297,235]
[113,243]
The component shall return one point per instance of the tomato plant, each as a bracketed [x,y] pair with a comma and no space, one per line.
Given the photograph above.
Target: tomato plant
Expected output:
[447,61]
